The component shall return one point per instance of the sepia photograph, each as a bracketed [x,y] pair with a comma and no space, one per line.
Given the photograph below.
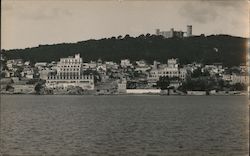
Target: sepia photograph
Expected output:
[124,78]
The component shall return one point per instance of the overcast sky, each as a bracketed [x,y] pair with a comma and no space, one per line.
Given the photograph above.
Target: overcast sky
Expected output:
[28,23]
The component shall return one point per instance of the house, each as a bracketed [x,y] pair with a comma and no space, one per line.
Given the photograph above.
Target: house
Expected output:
[9,73]
[141,63]
[235,78]
[125,63]
[91,65]
[122,86]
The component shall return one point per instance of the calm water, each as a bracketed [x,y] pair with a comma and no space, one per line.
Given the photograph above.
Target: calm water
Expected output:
[124,125]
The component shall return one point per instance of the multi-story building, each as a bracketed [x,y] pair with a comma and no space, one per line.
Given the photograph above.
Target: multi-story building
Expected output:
[70,73]
[171,70]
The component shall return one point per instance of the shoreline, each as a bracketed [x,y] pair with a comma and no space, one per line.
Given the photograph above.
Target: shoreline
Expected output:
[130,94]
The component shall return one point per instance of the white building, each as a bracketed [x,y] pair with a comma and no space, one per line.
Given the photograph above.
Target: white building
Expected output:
[238,79]
[235,78]
[16,62]
[41,64]
[213,69]
[122,86]
[170,34]
[70,74]
[141,63]
[91,65]
[44,73]
[111,65]
[171,70]
[27,63]
[125,63]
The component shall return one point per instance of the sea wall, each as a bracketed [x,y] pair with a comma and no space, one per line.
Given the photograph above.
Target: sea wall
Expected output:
[143,91]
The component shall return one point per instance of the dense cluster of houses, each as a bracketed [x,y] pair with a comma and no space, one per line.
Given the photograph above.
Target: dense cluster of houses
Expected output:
[71,73]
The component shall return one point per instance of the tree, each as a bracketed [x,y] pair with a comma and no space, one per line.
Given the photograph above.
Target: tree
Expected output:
[196,73]
[97,76]
[119,37]
[38,88]
[239,87]
[150,48]
[126,36]
[163,82]
[9,88]
[2,75]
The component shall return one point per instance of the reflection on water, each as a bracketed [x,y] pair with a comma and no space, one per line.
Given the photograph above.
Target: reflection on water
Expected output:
[124,125]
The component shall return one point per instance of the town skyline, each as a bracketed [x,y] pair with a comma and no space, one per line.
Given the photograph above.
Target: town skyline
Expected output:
[71,75]
[68,22]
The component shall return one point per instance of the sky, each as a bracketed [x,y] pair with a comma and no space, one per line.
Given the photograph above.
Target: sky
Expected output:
[29,23]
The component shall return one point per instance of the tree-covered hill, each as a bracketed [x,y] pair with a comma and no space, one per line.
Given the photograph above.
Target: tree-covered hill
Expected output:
[210,49]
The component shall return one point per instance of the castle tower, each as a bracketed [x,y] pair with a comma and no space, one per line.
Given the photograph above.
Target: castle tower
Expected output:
[189,30]
[157,31]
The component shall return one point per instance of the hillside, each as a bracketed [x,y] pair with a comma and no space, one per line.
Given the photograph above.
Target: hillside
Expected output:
[210,49]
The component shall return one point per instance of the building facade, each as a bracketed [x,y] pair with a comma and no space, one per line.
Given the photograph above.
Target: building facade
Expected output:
[173,33]
[170,34]
[171,70]
[70,74]
[189,30]
[125,63]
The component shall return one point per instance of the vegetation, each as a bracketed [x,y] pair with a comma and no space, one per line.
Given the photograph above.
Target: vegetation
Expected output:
[198,73]
[199,84]
[97,77]
[9,88]
[39,87]
[208,84]
[163,82]
[211,49]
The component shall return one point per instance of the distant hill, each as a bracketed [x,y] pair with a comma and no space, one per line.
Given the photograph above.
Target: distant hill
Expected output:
[227,49]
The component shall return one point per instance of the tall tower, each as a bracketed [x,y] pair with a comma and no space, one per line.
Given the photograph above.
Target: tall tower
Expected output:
[157,31]
[172,32]
[189,30]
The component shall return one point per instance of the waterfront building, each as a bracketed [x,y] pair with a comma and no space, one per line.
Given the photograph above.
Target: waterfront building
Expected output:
[24,88]
[171,70]
[70,74]
[122,86]
[235,78]
[213,69]
[43,74]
